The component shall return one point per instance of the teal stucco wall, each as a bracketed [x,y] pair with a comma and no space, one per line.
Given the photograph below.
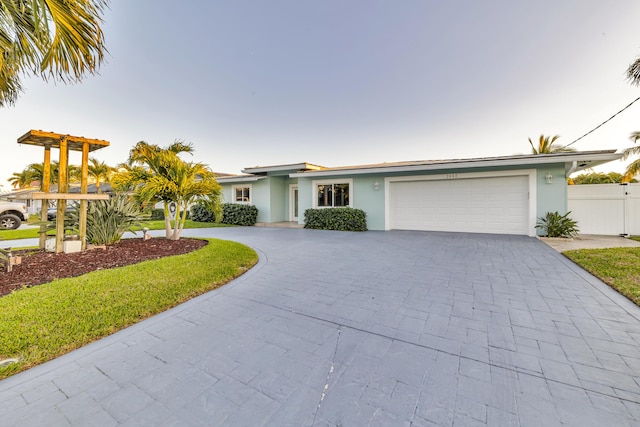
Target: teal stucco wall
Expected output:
[548,197]
[271,194]
[278,193]
[551,197]
[260,196]
[364,196]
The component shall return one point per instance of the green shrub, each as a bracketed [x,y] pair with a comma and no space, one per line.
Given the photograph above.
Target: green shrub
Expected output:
[556,225]
[237,214]
[202,213]
[343,219]
[157,213]
[107,220]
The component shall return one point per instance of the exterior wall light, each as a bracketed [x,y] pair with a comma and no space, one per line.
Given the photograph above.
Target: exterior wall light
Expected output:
[376,185]
[549,178]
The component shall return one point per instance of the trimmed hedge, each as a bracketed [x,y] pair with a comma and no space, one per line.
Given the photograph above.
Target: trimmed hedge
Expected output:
[201,213]
[342,219]
[157,213]
[237,214]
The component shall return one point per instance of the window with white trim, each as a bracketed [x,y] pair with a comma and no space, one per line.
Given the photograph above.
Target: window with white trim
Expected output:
[332,194]
[241,193]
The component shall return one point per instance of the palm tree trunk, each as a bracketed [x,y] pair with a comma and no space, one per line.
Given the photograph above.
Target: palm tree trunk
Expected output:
[167,221]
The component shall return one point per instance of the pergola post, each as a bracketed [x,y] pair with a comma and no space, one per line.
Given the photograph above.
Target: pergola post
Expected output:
[62,188]
[46,185]
[83,189]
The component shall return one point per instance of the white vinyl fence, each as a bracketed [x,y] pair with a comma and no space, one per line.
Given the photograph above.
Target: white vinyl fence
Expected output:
[609,209]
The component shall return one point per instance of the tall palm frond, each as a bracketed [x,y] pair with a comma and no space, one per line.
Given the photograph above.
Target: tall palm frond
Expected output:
[21,179]
[546,146]
[56,39]
[100,172]
[35,172]
[633,72]
[633,168]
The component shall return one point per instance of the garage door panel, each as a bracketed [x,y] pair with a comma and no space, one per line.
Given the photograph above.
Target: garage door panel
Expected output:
[485,205]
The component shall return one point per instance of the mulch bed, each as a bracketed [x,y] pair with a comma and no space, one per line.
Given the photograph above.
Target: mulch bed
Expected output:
[40,267]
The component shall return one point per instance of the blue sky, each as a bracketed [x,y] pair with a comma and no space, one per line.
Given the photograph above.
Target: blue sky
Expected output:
[337,82]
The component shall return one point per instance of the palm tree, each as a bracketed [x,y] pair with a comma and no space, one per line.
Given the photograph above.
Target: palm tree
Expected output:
[35,172]
[546,146]
[21,179]
[634,167]
[633,72]
[185,183]
[159,175]
[56,39]
[143,152]
[99,171]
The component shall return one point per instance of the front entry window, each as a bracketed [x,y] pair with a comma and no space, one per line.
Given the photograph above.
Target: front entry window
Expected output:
[242,194]
[332,195]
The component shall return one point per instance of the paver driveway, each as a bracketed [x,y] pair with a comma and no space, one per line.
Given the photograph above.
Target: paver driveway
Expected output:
[357,329]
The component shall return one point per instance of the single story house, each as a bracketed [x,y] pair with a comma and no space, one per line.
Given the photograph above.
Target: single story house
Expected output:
[503,195]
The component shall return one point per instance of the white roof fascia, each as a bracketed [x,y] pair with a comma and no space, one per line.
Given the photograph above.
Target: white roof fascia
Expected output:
[465,164]
[278,168]
[230,179]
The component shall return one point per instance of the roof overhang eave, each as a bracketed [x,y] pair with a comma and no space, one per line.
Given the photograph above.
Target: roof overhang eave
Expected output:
[582,160]
[282,168]
[578,166]
[231,180]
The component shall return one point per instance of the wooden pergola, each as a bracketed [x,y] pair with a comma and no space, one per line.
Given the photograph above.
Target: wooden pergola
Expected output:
[64,143]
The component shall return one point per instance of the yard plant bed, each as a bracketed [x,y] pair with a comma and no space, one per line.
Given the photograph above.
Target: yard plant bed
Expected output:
[40,267]
[43,322]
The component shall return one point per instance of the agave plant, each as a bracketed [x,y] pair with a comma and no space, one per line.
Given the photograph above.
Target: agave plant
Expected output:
[108,220]
[556,225]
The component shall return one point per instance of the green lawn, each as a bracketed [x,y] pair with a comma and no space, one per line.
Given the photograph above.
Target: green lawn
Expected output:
[617,267]
[32,233]
[41,323]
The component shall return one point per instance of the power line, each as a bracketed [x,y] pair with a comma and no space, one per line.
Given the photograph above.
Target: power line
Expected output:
[603,123]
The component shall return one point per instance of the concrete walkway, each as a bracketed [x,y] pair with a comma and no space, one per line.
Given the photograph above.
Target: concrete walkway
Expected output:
[590,241]
[361,329]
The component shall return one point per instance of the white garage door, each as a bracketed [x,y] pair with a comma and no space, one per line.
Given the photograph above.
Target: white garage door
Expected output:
[476,205]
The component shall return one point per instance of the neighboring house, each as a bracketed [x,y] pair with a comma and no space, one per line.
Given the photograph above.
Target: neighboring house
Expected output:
[105,188]
[503,195]
[22,195]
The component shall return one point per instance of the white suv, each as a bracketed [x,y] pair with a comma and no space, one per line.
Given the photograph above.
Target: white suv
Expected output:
[12,214]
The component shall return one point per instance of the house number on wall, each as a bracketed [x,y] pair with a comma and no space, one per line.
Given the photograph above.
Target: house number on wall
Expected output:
[452,175]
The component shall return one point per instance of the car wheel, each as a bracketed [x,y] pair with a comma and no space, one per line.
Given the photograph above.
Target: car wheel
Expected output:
[9,222]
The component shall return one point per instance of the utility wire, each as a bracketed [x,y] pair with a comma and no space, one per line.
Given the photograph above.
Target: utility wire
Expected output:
[603,123]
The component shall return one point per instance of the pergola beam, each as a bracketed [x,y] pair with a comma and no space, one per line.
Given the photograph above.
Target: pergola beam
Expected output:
[58,196]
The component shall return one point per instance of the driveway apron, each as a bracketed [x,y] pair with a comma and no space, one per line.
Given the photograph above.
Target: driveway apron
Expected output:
[361,329]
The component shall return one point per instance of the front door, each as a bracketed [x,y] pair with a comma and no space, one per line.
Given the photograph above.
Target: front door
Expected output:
[293,203]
